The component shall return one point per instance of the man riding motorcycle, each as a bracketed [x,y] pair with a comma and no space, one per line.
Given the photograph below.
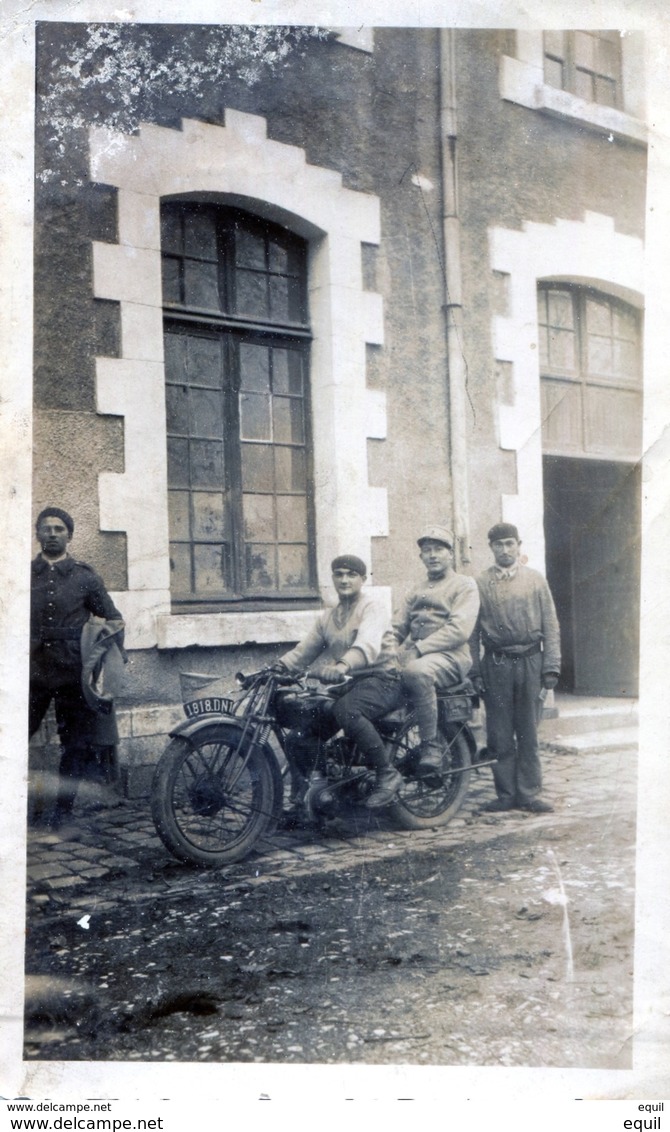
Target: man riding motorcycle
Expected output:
[347,643]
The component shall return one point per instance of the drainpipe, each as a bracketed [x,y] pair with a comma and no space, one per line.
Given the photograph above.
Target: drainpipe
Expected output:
[453,299]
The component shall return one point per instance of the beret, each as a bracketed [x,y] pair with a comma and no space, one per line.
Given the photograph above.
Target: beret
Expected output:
[58,513]
[503,530]
[349,562]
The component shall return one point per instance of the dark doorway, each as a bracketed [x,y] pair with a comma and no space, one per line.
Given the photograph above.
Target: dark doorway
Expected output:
[592,531]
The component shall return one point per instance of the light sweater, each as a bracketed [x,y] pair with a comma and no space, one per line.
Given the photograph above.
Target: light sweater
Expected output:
[348,633]
[439,616]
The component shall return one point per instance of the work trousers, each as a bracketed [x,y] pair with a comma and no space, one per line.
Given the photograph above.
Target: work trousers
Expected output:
[421,677]
[77,731]
[513,709]
[369,698]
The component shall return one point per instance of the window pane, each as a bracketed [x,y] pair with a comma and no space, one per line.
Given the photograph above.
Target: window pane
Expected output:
[553,44]
[599,354]
[254,367]
[200,236]
[259,521]
[171,229]
[286,371]
[252,294]
[207,463]
[249,249]
[625,324]
[598,317]
[293,567]
[279,298]
[553,73]
[209,568]
[209,516]
[297,308]
[290,469]
[201,285]
[605,92]
[288,422]
[176,405]
[607,55]
[559,309]
[171,285]
[175,357]
[291,518]
[206,413]
[584,85]
[178,504]
[257,467]
[561,350]
[180,568]
[205,361]
[585,50]
[287,260]
[255,416]
[178,463]
[626,359]
[260,567]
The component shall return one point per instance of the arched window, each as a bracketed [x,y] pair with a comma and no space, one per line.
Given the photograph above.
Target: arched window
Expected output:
[590,365]
[237,398]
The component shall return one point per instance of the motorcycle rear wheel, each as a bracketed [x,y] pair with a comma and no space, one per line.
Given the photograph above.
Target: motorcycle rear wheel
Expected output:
[210,803]
[418,805]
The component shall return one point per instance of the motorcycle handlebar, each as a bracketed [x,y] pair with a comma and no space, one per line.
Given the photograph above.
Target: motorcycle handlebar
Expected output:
[285,678]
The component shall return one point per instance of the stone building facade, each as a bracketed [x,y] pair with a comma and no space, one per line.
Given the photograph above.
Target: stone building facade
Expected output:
[299,296]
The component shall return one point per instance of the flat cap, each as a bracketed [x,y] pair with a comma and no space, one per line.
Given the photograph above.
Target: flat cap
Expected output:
[437,533]
[503,530]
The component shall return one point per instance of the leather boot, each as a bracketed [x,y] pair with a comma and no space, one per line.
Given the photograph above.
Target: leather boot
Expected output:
[385,788]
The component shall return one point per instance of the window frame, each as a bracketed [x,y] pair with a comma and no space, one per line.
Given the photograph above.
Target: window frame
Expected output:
[582,376]
[232,330]
[522,81]
[571,68]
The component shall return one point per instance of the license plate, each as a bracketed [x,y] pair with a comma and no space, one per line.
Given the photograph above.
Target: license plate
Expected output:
[209,705]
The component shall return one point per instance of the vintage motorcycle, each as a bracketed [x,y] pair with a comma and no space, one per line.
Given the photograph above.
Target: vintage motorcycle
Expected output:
[219,785]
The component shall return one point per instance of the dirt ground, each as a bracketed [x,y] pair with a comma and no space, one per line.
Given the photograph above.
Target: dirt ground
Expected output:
[511,946]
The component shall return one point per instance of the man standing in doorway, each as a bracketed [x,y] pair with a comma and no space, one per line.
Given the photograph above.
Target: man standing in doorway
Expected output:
[64,594]
[518,629]
[432,629]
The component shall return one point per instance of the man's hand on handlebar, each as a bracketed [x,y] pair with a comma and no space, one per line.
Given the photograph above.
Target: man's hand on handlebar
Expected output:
[331,674]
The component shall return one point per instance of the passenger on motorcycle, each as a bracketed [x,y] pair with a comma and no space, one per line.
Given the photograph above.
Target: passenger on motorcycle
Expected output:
[347,642]
[432,629]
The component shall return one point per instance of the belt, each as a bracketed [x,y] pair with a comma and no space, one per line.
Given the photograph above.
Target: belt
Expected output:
[64,633]
[512,653]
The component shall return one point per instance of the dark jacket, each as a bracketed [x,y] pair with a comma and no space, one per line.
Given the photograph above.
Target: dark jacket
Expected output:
[63,595]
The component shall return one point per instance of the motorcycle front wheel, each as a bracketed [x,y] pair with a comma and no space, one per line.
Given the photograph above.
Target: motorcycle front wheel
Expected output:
[418,805]
[212,802]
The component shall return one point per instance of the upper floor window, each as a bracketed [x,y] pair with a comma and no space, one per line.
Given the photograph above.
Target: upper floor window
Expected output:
[590,365]
[586,63]
[595,79]
[237,401]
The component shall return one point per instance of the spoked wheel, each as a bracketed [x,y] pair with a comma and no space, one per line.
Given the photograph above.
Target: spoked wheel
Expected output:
[418,805]
[211,801]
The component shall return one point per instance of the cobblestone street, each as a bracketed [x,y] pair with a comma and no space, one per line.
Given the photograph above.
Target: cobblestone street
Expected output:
[361,943]
[113,855]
